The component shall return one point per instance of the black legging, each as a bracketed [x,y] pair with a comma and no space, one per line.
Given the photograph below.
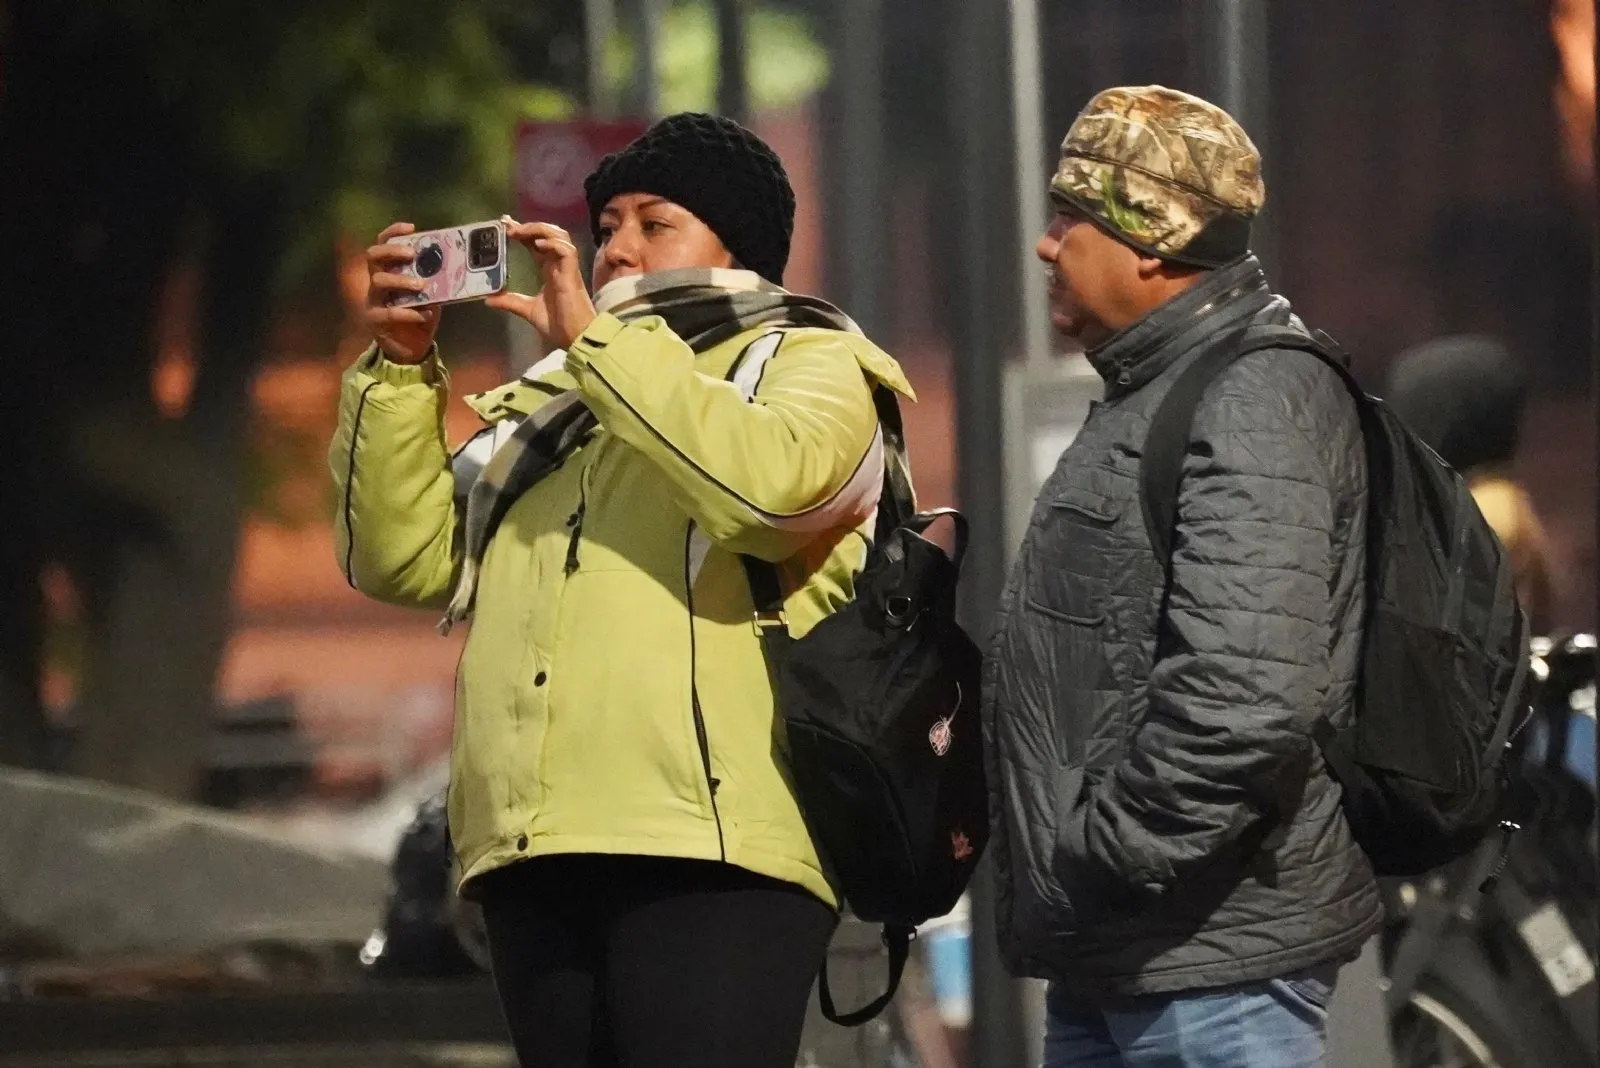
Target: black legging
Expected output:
[646,962]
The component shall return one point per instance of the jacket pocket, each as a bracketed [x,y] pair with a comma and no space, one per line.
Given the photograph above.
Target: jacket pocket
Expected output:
[1084,613]
[1090,507]
[1313,987]
[1074,562]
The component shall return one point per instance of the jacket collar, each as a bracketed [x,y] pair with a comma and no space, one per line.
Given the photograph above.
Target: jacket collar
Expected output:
[1141,351]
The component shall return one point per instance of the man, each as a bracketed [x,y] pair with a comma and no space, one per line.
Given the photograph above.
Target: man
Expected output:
[1465,396]
[1170,848]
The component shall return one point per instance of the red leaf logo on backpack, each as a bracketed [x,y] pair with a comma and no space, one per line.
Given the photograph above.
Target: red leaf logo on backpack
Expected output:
[960,845]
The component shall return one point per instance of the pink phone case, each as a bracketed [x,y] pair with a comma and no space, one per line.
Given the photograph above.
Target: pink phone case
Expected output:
[455,265]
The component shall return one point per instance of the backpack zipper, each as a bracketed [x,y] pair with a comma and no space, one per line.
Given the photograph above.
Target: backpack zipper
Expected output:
[701,739]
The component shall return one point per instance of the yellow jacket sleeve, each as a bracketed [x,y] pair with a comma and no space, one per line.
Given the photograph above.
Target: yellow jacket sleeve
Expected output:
[763,478]
[395,527]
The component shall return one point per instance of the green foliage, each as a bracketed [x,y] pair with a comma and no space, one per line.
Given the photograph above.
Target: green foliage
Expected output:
[784,62]
[367,112]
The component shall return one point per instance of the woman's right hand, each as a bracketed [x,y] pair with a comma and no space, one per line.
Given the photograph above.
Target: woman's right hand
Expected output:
[404,334]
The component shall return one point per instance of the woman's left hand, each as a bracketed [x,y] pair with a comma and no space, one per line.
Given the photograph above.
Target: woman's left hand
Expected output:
[562,310]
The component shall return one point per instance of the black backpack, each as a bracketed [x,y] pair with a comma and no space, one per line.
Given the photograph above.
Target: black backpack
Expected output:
[1445,649]
[880,705]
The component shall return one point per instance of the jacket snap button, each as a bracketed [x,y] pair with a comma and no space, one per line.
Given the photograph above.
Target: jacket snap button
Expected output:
[538,680]
[522,843]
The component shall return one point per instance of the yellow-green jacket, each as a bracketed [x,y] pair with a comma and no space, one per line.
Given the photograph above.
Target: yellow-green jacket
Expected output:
[612,696]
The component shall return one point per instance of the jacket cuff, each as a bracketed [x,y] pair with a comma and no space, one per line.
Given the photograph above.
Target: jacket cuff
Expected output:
[430,372]
[600,333]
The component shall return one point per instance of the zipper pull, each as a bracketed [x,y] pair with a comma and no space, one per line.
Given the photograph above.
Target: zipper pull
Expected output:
[1507,829]
[1124,374]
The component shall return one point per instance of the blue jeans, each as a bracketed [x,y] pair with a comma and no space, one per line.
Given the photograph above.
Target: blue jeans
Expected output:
[1278,1023]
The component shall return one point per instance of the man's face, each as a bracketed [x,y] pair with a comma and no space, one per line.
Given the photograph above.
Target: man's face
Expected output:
[1091,278]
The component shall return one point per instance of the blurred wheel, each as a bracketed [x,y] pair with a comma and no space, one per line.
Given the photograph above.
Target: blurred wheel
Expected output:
[1465,1013]
[1432,1034]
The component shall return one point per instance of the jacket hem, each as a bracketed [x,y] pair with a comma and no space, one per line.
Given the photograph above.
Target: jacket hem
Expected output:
[699,847]
[1218,973]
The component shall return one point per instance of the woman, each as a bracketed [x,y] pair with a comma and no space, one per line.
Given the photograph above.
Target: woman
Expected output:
[619,802]
[1465,395]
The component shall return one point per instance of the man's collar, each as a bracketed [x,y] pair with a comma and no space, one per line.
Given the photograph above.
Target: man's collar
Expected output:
[1141,351]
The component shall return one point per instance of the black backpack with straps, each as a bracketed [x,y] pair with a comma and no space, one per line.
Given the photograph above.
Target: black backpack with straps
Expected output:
[880,707]
[1443,683]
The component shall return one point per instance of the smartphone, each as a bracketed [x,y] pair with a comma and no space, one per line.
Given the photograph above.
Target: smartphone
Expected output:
[458,263]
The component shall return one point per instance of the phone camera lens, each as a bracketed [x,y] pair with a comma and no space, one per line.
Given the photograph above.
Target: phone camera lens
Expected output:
[483,248]
[429,260]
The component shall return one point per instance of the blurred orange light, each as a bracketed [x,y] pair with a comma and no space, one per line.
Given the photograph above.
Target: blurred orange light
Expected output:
[172,376]
[1572,24]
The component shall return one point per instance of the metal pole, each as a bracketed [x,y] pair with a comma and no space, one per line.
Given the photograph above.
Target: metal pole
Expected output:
[1032,207]
[644,26]
[733,86]
[1235,74]
[1027,120]
[863,265]
[1594,307]
[599,22]
[977,58]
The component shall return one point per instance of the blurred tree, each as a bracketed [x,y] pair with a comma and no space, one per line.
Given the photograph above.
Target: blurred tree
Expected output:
[244,142]
[785,64]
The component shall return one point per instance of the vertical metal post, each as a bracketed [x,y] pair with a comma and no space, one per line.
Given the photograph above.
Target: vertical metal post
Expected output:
[863,264]
[649,57]
[599,22]
[1235,74]
[1032,206]
[643,20]
[1027,121]
[733,86]
[977,94]
[1594,305]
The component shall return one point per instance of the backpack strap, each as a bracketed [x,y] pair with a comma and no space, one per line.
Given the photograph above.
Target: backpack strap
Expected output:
[896,503]
[1161,466]
[896,507]
[898,939]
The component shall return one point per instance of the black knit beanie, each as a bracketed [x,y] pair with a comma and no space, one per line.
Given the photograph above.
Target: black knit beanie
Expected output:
[727,176]
[1463,395]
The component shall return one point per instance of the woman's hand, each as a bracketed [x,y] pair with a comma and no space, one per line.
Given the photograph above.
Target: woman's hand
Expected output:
[562,309]
[404,334]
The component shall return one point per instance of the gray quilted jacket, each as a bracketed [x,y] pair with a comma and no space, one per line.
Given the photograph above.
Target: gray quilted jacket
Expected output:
[1163,820]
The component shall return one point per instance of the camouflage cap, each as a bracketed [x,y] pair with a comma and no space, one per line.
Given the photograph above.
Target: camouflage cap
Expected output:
[1168,173]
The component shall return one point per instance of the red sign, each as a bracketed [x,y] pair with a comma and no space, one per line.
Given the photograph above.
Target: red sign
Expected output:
[553,159]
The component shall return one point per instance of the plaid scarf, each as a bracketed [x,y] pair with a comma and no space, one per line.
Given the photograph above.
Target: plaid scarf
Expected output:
[704,307]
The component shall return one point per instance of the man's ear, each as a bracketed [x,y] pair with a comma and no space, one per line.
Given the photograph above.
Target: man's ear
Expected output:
[1151,267]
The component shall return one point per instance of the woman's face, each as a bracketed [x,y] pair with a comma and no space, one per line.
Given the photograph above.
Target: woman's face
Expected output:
[641,233]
